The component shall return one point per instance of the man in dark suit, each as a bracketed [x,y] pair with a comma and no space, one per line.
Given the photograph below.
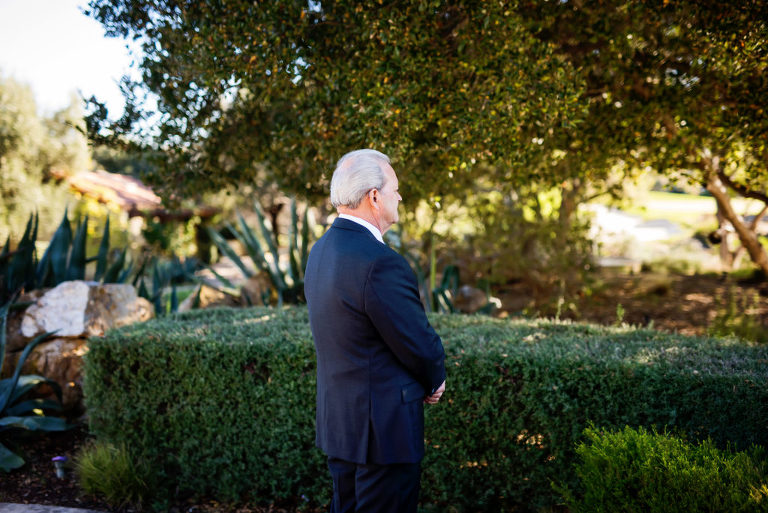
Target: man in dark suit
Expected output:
[378,359]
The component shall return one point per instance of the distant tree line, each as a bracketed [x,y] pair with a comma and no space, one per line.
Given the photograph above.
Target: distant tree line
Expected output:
[37,154]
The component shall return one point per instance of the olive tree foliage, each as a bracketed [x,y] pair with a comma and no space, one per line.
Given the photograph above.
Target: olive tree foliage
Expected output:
[36,154]
[678,86]
[289,86]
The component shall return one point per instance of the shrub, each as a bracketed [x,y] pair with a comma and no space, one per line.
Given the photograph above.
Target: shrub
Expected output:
[216,401]
[109,471]
[635,470]
[221,402]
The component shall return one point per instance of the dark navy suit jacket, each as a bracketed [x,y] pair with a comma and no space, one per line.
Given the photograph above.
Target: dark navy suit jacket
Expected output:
[377,355]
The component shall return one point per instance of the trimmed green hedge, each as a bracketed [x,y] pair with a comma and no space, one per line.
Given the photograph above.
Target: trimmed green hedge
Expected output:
[221,403]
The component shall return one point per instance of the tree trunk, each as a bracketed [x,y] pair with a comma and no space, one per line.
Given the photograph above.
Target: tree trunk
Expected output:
[748,237]
[726,257]
[569,203]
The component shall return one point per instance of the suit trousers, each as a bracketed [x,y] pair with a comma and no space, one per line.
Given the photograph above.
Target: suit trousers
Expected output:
[370,488]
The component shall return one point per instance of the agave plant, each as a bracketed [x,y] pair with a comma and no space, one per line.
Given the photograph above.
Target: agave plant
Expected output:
[440,297]
[17,411]
[63,260]
[164,274]
[20,270]
[437,296]
[17,268]
[288,280]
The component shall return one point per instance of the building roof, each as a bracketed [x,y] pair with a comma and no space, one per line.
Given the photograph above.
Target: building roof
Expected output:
[126,192]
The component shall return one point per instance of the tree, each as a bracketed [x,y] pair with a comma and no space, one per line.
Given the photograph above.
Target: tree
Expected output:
[36,154]
[290,86]
[678,86]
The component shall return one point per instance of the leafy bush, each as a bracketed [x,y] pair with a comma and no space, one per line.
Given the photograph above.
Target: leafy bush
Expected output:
[189,411]
[221,402]
[107,470]
[635,470]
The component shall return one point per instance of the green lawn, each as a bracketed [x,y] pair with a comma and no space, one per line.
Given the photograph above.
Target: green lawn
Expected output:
[668,205]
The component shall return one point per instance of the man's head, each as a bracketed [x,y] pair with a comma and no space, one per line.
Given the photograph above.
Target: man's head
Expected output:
[365,185]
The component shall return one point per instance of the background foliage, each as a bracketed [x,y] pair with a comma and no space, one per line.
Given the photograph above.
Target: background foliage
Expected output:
[670,87]
[36,154]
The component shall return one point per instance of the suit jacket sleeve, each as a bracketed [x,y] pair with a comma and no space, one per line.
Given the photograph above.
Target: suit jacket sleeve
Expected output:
[393,305]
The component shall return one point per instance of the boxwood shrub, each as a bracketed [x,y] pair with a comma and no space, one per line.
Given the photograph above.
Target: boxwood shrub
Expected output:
[221,403]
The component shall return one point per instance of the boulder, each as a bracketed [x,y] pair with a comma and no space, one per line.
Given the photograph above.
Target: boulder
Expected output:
[15,341]
[61,360]
[75,310]
[61,309]
[85,309]
[255,288]
[113,305]
[209,297]
[469,299]
[210,294]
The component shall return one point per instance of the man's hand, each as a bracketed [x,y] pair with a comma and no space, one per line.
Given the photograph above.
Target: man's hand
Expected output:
[432,399]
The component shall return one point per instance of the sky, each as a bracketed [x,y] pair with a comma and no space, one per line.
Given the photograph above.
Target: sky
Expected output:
[57,50]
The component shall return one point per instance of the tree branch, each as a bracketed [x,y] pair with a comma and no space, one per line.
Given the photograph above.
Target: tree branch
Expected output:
[741,189]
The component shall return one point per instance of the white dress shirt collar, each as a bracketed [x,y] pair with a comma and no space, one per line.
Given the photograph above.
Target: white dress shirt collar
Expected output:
[375,231]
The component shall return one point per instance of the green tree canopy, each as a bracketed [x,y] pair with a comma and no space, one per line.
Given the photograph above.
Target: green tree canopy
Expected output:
[677,85]
[290,86]
[36,153]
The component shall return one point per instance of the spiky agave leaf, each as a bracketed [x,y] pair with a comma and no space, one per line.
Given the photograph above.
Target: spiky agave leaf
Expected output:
[52,268]
[77,259]
[103,254]
[8,386]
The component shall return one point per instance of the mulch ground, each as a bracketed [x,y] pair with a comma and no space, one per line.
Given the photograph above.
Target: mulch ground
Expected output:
[684,304]
[36,481]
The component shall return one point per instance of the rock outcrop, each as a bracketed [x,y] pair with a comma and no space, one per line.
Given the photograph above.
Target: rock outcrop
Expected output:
[75,311]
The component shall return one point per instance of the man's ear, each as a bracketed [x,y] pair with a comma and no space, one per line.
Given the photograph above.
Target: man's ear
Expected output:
[373,196]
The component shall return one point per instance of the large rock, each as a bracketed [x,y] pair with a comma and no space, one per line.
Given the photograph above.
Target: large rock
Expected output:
[61,360]
[208,297]
[75,310]
[15,341]
[113,305]
[85,309]
[251,290]
[469,299]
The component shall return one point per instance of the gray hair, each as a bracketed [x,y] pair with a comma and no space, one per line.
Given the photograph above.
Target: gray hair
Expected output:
[356,173]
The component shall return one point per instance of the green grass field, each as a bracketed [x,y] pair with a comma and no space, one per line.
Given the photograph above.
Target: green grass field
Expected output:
[686,209]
